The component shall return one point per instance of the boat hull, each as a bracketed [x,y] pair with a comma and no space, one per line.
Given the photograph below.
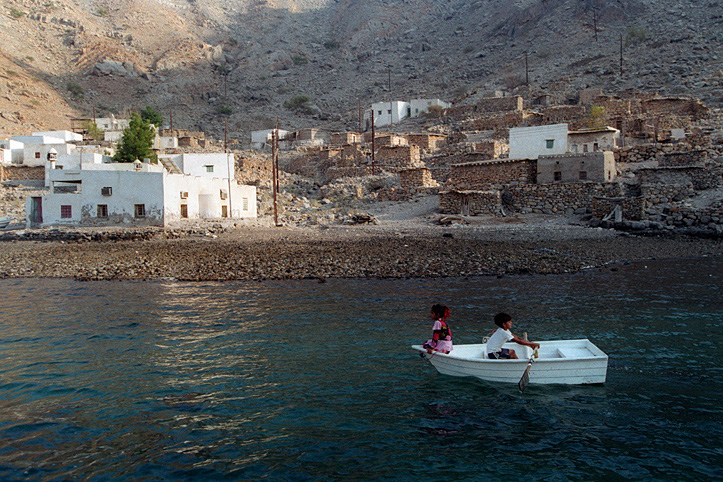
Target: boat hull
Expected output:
[566,362]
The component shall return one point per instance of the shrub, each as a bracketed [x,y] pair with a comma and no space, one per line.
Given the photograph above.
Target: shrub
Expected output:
[15,13]
[75,89]
[103,12]
[331,45]
[224,110]
[596,118]
[300,60]
[152,116]
[298,102]
[635,35]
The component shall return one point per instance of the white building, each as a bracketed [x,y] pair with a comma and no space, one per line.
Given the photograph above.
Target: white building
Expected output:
[532,142]
[262,139]
[111,123]
[65,136]
[12,151]
[203,164]
[386,113]
[136,194]
[593,140]
[418,107]
[36,148]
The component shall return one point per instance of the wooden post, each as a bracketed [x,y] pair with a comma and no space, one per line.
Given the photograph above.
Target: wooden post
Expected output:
[373,141]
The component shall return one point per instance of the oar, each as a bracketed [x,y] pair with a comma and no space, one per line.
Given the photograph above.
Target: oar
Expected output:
[525,380]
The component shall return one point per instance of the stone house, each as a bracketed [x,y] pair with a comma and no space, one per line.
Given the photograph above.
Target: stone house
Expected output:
[415,178]
[593,140]
[395,158]
[590,166]
[343,138]
[480,175]
[430,142]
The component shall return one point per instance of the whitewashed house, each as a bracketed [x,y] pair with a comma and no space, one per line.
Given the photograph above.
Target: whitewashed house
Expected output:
[262,139]
[12,151]
[418,107]
[217,164]
[593,140]
[111,123]
[136,194]
[65,136]
[36,148]
[386,113]
[532,142]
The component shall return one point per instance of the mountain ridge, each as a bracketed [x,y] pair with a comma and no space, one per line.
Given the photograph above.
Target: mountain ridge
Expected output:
[212,63]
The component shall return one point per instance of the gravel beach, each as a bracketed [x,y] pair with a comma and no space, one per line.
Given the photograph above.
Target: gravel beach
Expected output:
[404,243]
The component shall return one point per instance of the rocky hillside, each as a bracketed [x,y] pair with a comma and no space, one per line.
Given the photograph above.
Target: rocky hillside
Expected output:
[208,62]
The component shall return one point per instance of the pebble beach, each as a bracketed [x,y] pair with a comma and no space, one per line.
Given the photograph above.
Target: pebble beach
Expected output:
[393,248]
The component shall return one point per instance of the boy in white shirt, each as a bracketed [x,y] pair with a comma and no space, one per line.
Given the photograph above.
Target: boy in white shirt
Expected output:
[501,336]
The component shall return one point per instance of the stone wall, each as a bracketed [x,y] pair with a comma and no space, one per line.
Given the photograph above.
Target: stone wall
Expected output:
[477,175]
[333,173]
[683,158]
[561,114]
[699,177]
[414,178]
[489,149]
[471,203]
[399,157]
[493,122]
[633,208]
[427,141]
[558,198]
[648,152]
[680,106]
[20,173]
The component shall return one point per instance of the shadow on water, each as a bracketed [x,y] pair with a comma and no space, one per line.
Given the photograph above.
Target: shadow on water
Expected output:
[308,381]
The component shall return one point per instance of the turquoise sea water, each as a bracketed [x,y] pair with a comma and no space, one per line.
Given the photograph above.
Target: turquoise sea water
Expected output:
[302,381]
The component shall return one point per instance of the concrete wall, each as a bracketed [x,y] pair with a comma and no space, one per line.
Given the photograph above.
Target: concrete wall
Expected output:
[596,166]
[37,154]
[532,142]
[206,164]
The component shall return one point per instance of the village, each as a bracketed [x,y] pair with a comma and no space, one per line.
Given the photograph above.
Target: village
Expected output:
[638,162]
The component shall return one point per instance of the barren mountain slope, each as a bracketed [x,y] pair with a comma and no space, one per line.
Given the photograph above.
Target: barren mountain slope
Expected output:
[212,60]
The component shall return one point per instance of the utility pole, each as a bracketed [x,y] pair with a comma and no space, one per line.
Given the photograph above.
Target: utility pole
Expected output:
[621,55]
[228,167]
[360,118]
[273,175]
[171,117]
[373,143]
[594,22]
[527,72]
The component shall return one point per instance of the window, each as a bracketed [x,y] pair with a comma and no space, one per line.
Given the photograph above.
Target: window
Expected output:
[140,210]
[558,176]
[584,148]
[66,211]
[184,210]
[245,204]
[102,210]
[550,143]
[224,211]
[583,175]
[209,168]
[389,111]
[37,155]
[595,146]
[224,194]
[380,113]
[106,191]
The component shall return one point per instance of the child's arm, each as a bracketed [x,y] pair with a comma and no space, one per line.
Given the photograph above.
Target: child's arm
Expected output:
[522,341]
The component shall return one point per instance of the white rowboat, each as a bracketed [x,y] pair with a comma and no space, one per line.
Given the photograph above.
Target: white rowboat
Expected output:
[4,222]
[567,362]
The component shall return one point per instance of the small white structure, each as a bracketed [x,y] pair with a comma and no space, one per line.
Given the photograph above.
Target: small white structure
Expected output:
[421,106]
[262,139]
[203,164]
[136,194]
[36,148]
[532,142]
[65,136]
[111,123]
[386,113]
[12,151]
[593,140]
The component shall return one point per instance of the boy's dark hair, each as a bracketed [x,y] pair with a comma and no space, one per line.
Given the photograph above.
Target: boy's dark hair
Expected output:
[440,311]
[501,319]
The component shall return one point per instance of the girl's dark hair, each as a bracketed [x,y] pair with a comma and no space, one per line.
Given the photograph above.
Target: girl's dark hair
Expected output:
[501,319]
[440,311]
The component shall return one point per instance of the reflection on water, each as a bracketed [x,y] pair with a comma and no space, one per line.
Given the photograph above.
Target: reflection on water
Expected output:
[315,381]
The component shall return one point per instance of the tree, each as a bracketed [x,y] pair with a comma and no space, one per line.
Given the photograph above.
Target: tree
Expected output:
[151,116]
[93,131]
[597,117]
[137,141]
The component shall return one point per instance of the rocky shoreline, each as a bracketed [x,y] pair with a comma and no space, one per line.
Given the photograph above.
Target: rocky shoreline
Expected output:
[219,253]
